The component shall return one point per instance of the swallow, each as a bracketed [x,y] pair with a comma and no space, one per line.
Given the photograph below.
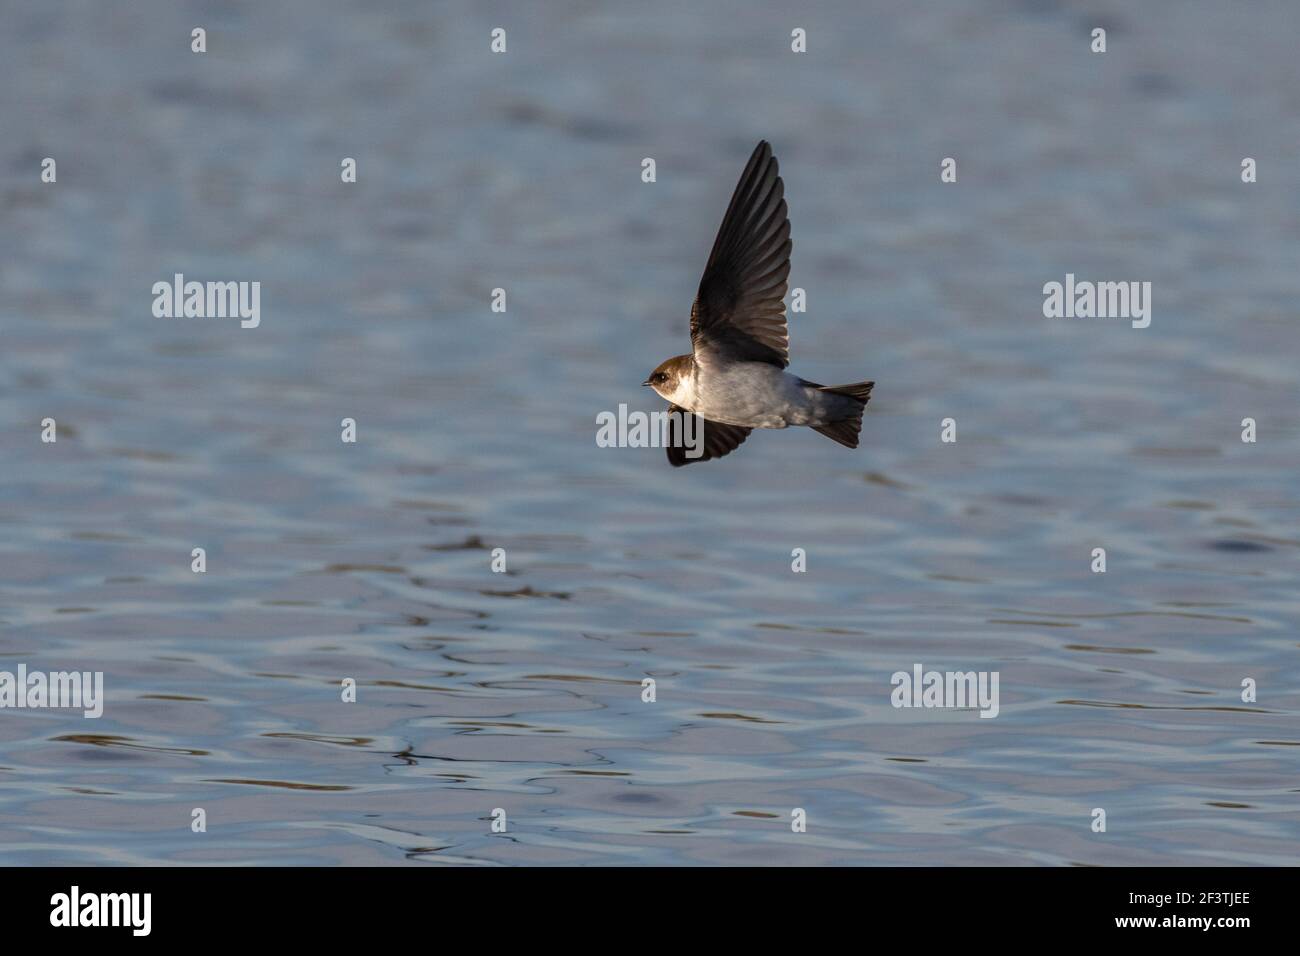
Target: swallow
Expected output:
[735,379]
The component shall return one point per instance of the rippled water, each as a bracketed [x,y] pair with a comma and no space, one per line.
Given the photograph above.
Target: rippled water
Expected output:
[522,691]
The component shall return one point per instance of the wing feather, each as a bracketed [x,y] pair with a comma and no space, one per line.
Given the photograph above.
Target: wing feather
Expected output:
[739,311]
[719,439]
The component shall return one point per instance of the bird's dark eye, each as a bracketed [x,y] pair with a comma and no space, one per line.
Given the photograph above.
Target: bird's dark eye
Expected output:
[660,377]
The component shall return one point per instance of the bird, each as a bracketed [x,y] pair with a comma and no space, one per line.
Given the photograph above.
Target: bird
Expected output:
[734,379]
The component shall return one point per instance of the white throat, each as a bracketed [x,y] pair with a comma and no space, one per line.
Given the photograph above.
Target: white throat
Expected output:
[684,395]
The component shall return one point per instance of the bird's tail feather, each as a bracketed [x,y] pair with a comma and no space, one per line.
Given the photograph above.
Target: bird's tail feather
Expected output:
[859,390]
[845,430]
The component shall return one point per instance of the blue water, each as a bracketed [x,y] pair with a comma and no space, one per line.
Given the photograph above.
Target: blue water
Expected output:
[522,691]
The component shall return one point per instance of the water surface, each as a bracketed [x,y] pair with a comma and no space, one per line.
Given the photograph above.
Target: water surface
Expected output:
[522,691]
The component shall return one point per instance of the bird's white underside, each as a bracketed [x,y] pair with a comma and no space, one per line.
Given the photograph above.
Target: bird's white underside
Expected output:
[754,394]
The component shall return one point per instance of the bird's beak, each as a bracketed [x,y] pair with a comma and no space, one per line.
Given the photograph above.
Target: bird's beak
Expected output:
[646,382]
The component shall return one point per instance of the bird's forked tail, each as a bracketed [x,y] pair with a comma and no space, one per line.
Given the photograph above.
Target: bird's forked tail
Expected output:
[845,430]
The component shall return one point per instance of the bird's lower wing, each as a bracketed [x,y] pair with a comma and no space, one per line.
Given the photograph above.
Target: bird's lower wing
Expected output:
[692,438]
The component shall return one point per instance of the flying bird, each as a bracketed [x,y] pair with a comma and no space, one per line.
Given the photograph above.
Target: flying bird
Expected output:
[735,378]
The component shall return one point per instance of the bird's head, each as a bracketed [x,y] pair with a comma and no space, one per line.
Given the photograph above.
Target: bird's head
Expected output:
[669,378]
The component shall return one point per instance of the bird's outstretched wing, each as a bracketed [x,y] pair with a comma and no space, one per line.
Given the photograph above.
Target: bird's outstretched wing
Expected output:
[739,312]
[718,439]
